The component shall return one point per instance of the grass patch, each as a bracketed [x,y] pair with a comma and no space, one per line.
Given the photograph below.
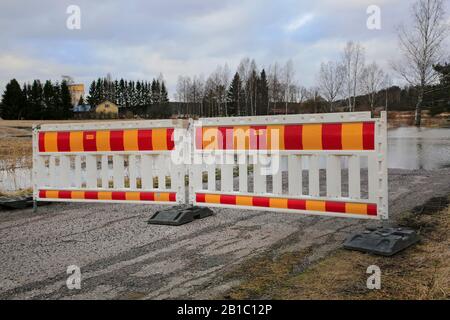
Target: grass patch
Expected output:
[419,272]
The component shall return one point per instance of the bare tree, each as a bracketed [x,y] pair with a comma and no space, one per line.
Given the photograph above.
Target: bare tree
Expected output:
[331,76]
[275,86]
[387,83]
[372,79]
[288,78]
[421,45]
[353,63]
[183,87]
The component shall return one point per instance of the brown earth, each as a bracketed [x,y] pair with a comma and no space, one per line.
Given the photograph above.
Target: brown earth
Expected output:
[420,272]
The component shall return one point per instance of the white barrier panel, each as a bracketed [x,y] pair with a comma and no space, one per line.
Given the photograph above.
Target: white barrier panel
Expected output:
[324,164]
[126,161]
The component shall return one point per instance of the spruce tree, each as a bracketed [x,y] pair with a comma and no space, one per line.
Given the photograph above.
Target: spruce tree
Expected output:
[164,97]
[263,94]
[92,94]
[235,97]
[48,100]
[12,101]
[66,101]
[35,100]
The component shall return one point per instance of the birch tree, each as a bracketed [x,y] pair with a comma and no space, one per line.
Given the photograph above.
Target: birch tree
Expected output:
[372,79]
[331,76]
[353,63]
[288,78]
[421,47]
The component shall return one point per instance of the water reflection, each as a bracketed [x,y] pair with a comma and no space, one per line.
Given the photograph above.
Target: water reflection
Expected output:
[419,148]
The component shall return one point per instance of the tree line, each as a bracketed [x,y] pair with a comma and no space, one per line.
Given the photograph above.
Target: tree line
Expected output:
[36,101]
[250,91]
[128,94]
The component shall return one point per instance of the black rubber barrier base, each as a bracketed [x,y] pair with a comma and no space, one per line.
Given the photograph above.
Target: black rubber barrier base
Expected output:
[179,215]
[382,241]
[18,202]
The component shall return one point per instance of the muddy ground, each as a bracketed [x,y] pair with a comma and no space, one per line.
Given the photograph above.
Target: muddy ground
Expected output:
[120,256]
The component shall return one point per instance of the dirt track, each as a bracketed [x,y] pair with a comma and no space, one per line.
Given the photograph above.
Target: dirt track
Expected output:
[120,256]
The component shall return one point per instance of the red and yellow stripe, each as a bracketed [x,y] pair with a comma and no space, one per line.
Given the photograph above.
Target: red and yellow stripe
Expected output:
[109,195]
[369,209]
[321,136]
[160,139]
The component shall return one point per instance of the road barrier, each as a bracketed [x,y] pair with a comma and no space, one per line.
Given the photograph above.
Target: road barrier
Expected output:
[126,161]
[324,164]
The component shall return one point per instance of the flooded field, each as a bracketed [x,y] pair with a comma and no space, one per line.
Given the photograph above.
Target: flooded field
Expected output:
[419,148]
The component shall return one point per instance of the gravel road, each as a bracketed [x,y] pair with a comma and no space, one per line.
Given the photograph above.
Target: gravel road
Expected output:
[120,256]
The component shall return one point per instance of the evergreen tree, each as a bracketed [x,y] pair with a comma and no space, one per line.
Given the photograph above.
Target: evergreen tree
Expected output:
[66,101]
[156,90]
[48,97]
[262,102]
[100,97]
[35,100]
[121,93]
[235,97]
[92,99]
[164,97]
[12,101]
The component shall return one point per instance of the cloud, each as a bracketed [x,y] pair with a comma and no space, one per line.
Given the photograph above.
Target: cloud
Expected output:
[299,22]
[138,39]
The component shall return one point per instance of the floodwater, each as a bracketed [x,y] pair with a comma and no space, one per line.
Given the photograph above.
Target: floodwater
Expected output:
[408,148]
[419,148]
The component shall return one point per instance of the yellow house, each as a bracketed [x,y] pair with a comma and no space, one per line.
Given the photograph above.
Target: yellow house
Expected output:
[107,108]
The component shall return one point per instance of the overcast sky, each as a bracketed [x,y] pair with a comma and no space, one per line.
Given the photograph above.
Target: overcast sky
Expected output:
[140,39]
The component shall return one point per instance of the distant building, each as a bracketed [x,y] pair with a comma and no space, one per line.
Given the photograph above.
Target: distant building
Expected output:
[76,92]
[107,108]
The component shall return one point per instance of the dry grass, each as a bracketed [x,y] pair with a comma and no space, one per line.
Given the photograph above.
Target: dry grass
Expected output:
[420,272]
[22,192]
[14,153]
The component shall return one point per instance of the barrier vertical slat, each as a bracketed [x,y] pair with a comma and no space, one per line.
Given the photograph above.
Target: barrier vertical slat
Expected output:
[212,177]
[40,171]
[77,172]
[354,175]
[64,166]
[105,173]
[53,179]
[132,170]
[147,171]
[294,175]
[333,176]
[118,168]
[372,175]
[227,174]
[243,177]
[314,187]
[160,165]
[277,177]
[91,171]
[195,180]
[259,180]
